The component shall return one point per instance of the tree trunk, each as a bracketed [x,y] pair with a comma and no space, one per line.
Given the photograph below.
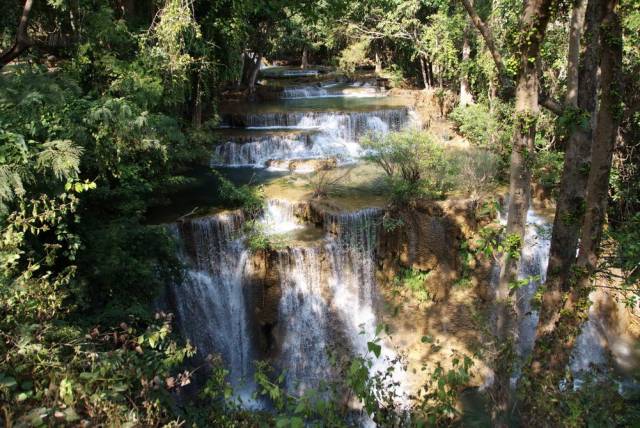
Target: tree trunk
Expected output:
[430,72]
[378,62]
[533,24]
[546,374]
[305,57]
[571,199]
[466,97]
[423,69]
[197,101]
[575,33]
[22,42]
[251,69]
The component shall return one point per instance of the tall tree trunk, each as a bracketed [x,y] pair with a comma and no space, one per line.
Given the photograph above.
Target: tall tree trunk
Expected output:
[431,78]
[547,373]
[251,69]
[466,97]
[423,69]
[304,63]
[571,199]
[573,58]
[533,25]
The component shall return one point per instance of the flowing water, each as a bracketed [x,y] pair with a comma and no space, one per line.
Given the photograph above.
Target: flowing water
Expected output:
[328,293]
[210,302]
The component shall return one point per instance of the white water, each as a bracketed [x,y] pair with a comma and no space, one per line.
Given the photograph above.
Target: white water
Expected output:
[337,136]
[210,302]
[325,91]
[279,217]
[303,320]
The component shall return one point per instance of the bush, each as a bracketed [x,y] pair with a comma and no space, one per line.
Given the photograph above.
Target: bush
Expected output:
[486,130]
[547,169]
[249,198]
[353,56]
[416,166]
[477,170]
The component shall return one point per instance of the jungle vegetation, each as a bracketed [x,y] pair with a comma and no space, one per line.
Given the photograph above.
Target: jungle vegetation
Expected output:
[106,104]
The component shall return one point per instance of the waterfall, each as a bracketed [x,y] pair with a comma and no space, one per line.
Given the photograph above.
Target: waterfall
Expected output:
[210,302]
[304,92]
[533,266]
[256,152]
[330,91]
[279,217]
[303,319]
[351,253]
[337,137]
[352,124]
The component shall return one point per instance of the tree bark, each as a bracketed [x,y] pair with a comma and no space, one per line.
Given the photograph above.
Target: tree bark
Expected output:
[573,58]
[423,69]
[532,28]
[22,42]
[571,199]
[466,97]
[304,63]
[251,70]
[547,373]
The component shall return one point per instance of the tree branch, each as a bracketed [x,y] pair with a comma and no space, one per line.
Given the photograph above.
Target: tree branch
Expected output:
[23,42]
[550,104]
[489,41]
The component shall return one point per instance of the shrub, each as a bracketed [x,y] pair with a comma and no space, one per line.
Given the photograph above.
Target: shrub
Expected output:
[354,56]
[416,166]
[486,130]
[477,170]
[547,169]
[249,198]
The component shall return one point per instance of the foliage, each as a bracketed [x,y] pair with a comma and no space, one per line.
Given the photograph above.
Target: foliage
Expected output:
[258,238]
[547,169]
[250,198]
[353,56]
[598,402]
[416,165]
[486,129]
[415,280]
[376,390]
[477,170]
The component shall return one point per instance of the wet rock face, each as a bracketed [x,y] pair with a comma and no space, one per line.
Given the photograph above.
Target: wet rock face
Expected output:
[428,238]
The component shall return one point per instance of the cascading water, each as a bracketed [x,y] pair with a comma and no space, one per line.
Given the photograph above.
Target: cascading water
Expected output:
[304,92]
[303,319]
[257,152]
[353,124]
[533,271]
[331,91]
[210,302]
[337,137]
[279,217]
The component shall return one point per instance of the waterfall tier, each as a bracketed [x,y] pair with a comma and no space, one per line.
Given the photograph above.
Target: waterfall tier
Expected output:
[352,124]
[210,302]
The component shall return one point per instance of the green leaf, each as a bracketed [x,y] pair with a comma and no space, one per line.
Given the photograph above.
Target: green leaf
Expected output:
[427,339]
[297,422]
[375,348]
